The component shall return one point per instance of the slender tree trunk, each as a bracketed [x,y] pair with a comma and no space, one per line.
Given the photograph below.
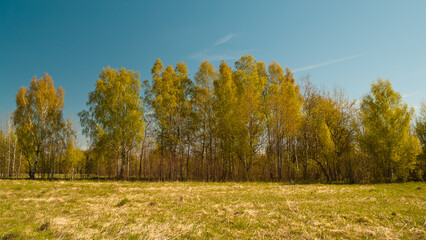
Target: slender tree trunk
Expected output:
[144,164]
[202,156]
[279,159]
[32,173]
[295,156]
[322,168]
[3,172]
[175,163]
[14,161]
[230,163]
[140,164]
[180,154]
[8,151]
[128,164]
[210,159]
[305,166]
[250,166]
[289,161]
[117,176]
[52,162]
[187,159]
[181,162]
[169,174]
[97,168]
[150,166]
[123,161]
[20,164]
[161,163]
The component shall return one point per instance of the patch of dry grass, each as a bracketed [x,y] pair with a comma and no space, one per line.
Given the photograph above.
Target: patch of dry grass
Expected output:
[143,210]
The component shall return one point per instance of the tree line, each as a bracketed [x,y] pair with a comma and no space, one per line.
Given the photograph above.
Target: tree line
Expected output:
[248,123]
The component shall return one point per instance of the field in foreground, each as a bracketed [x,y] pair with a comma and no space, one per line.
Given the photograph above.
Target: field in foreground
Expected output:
[141,210]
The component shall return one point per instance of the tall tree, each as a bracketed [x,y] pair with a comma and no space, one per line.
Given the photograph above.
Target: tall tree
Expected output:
[327,134]
[283,114]
[342,124]
[73,159]
[38,118]
[170,104]
[159,98]
[386,136]
[225,119]
[183,91]
[115,115]
[204,114]
[250,87]
[421,134]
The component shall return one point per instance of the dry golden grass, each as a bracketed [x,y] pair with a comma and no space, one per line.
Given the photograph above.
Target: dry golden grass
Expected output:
[173,210]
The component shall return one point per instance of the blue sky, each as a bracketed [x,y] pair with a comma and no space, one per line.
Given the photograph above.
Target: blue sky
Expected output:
[339,43]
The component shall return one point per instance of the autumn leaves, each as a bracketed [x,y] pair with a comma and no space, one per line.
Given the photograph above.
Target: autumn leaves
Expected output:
[38,119]
[248,123]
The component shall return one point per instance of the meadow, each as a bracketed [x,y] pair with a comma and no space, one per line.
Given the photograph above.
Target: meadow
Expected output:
[195,210]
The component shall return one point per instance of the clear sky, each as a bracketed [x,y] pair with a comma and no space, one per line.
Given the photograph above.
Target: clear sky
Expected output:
[339,43]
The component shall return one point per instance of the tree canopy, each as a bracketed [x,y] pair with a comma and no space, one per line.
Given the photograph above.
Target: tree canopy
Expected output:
[38,118]
[114,120]
[249,122]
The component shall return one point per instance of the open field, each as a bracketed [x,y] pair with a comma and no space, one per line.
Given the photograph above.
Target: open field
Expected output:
[144,210]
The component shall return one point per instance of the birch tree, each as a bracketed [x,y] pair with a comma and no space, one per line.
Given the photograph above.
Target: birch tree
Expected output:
[283,111]
[225,119]
[204,114]
[386,137]
[38,118]
[115,116]
[250,87]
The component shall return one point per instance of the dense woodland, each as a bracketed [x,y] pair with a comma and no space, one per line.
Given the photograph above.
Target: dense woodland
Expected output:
[248,123]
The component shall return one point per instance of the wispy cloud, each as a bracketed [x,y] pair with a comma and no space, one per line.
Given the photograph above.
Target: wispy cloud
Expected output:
[212,55]
[410,94]
[224,39]
[215,53]
[326,63]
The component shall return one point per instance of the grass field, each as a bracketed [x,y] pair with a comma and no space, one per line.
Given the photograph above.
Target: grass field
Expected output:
[144,210]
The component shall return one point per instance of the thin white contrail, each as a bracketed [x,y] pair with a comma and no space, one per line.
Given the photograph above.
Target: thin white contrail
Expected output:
[322,64]
[224,39]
